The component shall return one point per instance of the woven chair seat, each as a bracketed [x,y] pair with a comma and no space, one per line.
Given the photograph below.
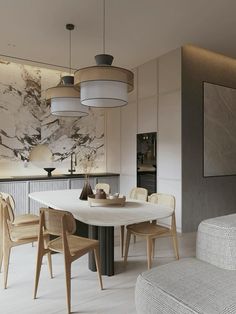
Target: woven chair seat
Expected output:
[147,228]
[26,219]
[19,233]
[76,244]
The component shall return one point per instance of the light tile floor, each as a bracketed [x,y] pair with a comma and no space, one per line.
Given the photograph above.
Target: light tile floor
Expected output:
[118,296]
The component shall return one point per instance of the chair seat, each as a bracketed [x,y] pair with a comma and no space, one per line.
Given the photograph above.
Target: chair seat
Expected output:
[25,232]
[76,244]
[147,228]
[26,219]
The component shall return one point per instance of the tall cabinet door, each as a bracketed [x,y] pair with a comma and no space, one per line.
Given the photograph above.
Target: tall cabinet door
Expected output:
[19,191]
[47,185]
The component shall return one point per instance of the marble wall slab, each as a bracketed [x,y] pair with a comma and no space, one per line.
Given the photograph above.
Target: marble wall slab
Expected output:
[25,119]
[219,130]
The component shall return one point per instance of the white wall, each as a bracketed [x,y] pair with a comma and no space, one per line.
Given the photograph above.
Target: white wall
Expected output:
[154,105]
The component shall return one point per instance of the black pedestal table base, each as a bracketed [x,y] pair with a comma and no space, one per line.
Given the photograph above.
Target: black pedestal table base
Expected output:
[105,235]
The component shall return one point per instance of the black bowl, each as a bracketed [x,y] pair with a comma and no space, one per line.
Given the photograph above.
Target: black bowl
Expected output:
[49,171]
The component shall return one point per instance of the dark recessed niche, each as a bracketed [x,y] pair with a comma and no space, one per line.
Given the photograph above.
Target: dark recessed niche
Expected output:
[146,161]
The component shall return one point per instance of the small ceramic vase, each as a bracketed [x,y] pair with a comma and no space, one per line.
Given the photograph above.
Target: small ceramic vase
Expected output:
[100,194]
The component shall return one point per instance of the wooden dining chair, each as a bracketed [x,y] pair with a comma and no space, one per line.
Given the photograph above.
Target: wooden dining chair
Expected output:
[136,193]
[15,235]
[62,224]
[105,186]
[151,231]
[18,219]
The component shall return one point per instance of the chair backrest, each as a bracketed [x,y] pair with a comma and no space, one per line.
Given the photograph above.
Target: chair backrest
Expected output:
[6,219]
[10,201]
[162,199]
[56,221]
[104,186]
[139,194]
[5,204]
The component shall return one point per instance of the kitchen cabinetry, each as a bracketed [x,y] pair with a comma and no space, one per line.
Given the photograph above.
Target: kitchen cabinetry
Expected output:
[20,188]
[47,185]
[79,183]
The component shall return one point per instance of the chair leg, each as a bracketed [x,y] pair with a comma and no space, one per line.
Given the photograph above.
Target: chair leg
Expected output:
[1,254]
[128,235]
[149,252]
[122,235]
[38,269]
[50,264]
[174,236]
[68,283]
[98,265]
[175,244]
[134,238]
[46,240]
[6,258]
[153,247]
[1,258]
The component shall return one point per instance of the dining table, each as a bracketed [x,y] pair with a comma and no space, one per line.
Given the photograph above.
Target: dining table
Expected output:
[101,220]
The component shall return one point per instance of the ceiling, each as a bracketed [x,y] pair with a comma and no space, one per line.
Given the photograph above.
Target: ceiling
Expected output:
[136,30]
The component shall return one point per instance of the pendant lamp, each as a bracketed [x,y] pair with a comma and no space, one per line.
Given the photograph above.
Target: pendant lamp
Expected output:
[104,85]
[65,98]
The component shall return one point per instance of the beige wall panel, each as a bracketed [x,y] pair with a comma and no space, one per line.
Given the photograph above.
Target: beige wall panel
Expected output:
[147,114]
[170,71]
[113,140]
[132,97]
[128,139]
[127,183]
[147,79]
[169,136]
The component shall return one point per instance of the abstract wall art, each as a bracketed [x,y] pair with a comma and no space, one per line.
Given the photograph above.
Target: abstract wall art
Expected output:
[219,136]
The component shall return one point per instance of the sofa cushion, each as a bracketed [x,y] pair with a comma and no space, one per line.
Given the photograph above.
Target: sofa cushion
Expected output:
[216,241]
[186,286]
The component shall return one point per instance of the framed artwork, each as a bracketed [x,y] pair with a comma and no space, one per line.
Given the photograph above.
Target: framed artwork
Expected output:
[219,130]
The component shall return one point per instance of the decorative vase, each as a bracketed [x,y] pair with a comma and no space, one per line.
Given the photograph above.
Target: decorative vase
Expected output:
[49,171]
[100,194]
[87,190]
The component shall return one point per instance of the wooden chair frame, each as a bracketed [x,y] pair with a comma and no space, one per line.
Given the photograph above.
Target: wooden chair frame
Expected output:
[26,234]
[156,231]
[19,220]
[65,249]
[122,228]
[25,219]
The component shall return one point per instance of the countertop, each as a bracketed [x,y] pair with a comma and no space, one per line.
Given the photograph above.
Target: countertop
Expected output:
[55,177]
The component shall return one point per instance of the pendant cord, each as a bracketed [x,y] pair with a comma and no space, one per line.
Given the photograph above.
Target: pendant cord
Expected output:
[104,24]
[70,52]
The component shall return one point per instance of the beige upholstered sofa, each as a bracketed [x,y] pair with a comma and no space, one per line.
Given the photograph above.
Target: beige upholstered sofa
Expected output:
[205,284]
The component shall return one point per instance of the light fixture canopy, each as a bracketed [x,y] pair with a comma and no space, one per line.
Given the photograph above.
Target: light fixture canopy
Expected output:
[65,97]
[104,85]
